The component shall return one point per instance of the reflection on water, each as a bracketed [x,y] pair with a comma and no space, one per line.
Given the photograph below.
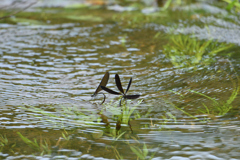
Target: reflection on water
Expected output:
[48,74]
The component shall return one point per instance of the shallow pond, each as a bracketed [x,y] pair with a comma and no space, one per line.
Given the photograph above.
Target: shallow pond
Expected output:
[189,104]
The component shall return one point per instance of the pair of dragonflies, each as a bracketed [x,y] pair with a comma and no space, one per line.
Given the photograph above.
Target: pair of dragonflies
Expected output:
[103,83]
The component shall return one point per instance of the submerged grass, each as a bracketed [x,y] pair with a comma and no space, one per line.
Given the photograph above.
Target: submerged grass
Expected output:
[5,145]
[42,147]
[141,152]
[3,140]
[124,112]
[122,115]
[182,110]
[186,51]
[220,107]
[65,117]
[217,107]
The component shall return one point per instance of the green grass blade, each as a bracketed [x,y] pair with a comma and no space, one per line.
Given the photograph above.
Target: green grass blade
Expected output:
[137,151]
[145,150]
[213,100]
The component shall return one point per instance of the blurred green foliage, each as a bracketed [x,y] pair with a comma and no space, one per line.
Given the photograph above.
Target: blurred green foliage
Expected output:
[186,51]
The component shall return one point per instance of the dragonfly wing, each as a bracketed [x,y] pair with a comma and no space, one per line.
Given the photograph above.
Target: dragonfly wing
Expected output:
[110,91]
[118,83]
[132,96]
[129,84]
[103,82]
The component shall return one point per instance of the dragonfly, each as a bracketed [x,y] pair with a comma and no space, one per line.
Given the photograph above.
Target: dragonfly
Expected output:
[119,86]
[103,82]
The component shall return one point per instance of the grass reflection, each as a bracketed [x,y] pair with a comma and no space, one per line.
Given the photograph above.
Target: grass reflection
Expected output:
[186,51]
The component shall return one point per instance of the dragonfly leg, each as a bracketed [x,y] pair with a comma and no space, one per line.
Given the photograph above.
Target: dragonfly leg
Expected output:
[103,99]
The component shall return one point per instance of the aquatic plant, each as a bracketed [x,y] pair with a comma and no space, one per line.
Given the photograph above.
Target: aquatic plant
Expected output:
[220,107]
[44,148]
[117,154]
[187,51]
[142,153]
[182,110]
[115,134]
[125,112]
[66,135]
[3,140]
[232,4]
[119,86]
[123,115]
[4,144]
[65,117]
[217,107]
[169,2]
[161,122]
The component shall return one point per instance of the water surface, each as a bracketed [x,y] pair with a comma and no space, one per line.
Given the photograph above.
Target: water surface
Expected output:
[57,66]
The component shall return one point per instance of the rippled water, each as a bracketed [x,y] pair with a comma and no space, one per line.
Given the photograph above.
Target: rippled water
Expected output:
[58,66]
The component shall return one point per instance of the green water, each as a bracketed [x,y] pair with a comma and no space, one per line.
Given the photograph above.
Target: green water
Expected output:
[52,61]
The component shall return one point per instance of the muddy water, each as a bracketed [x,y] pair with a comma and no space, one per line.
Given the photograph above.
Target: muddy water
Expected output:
[57,66]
